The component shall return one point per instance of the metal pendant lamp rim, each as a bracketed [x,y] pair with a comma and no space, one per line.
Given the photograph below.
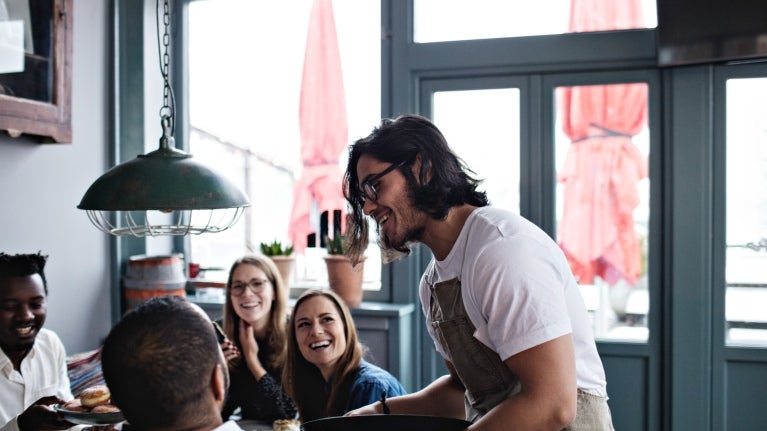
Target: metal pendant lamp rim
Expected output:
[164,180]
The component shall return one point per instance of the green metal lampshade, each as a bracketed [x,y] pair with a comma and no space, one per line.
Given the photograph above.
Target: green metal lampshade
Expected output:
[168,181]
[164,192]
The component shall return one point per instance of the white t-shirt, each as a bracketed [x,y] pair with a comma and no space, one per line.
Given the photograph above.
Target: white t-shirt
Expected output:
[43,373]
[518,291]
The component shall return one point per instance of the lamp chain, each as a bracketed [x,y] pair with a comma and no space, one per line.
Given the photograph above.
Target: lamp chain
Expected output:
[167,111]
[189,197]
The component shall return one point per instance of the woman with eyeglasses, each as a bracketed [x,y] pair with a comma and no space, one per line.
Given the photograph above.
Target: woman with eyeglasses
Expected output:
[325,372]
[254,321]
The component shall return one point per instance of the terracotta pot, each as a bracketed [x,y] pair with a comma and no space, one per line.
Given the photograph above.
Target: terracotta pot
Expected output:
[285,266]
[344,279]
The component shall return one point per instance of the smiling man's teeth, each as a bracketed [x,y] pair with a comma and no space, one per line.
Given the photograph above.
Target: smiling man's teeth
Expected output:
[24,331]
[383,219]
[319,344]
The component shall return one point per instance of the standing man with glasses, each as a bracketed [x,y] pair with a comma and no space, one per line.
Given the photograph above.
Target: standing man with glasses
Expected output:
[500,300]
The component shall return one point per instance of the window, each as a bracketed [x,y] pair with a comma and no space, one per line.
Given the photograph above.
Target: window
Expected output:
[746,191]
[246,62]
[449,20]
[457,114]
[602,147]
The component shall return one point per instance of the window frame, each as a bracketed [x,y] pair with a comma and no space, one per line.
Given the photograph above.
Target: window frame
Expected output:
[725,356]
[180,77]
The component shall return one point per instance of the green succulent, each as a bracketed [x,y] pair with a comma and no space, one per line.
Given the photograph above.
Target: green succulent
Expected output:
[336,244]
[275,248]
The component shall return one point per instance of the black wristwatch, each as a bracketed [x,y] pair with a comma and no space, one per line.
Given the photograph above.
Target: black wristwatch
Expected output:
[383,403]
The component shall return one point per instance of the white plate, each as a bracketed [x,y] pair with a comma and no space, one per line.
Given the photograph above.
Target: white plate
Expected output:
[88,418]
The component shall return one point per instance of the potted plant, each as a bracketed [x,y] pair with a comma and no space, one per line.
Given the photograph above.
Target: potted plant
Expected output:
[282,256]
[343,278]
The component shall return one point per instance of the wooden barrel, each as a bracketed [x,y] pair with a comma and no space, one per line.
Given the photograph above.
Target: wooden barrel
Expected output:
[152,276]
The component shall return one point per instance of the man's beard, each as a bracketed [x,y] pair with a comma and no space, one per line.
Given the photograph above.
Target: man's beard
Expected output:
[389,255]
[391,252]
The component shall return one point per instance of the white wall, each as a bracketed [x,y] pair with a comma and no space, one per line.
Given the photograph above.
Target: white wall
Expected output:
[42,185]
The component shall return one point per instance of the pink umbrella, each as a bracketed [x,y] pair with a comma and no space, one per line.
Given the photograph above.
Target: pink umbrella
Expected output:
[324,130]
[602,166]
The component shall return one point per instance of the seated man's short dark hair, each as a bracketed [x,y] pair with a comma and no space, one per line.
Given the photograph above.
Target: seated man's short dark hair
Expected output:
[22,265]
[158,361]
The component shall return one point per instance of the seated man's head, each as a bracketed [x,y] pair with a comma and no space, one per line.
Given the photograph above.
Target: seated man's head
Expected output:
[23,308]
[164,366]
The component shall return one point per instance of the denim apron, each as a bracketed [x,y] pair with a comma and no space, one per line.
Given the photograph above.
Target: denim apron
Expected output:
[487,379]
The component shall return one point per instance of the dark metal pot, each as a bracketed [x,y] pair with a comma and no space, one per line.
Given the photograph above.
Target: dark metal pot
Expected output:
[385,423]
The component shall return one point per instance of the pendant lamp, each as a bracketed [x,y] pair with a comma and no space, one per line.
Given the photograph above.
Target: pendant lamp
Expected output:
[164,192]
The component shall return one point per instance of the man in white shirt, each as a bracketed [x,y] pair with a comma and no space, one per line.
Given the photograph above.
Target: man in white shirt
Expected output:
[33,372]
[165,369]
[499,298]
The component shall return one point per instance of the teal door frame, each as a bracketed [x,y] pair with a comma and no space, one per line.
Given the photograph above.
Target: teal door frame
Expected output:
[536,65]
[633,369]
[688,378]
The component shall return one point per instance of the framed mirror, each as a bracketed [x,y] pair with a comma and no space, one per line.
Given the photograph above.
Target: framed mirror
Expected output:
[36,69]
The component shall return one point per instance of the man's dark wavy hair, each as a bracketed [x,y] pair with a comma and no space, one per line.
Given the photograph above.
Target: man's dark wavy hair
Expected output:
[22,265]
[443,180]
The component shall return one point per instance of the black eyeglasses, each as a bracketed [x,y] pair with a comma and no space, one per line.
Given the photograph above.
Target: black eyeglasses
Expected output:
[255,285]
[368,189]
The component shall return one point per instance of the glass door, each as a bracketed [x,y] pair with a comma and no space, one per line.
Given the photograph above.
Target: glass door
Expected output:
[602,145]
[740,244]
[477,123]
[601,200]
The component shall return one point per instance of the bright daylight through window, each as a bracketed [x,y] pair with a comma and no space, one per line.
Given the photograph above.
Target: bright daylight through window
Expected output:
[446,20]
[602,147]
[246,64]
[746,267]
[245,118]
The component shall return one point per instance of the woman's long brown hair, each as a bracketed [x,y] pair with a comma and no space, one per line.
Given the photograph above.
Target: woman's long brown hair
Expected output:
[276,333]
[303,381]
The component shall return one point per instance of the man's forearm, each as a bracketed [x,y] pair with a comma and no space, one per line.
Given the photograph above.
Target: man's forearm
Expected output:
[443,397]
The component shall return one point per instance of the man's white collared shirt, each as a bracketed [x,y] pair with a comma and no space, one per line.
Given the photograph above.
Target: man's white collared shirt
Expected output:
[43,373]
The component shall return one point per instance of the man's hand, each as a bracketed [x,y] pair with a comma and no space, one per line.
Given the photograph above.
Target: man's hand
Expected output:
[40,416]
[370,409]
